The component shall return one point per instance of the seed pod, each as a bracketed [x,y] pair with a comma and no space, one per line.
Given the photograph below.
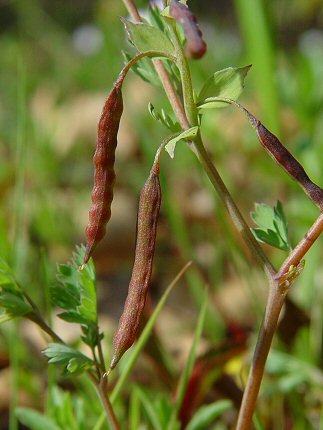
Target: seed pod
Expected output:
[195,45]
[104,177]
[149,205]
[286,160]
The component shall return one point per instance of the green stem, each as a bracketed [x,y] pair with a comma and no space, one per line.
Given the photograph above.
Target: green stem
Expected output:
[101,389]
[202,155]
[100,351]
[274,305]
[37,319]
[187,88]
[233,210]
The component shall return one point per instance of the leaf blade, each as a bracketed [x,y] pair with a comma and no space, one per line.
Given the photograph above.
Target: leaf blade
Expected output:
[145,37]
[228,83]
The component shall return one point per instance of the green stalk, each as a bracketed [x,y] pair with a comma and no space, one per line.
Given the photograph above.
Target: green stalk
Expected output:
[203,157]
[19,241]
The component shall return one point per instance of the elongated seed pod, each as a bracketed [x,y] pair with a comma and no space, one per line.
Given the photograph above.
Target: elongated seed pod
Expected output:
[104,176]
[286,160]
[195,45]
[149,205]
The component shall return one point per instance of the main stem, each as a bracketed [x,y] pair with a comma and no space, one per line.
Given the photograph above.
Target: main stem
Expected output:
[274,305]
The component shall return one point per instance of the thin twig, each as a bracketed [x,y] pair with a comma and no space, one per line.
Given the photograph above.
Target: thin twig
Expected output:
[37,319]
[100,351]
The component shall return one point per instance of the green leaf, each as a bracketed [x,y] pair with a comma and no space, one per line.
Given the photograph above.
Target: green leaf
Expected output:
[164,119]
[207,414]
[73,317]
[225,83]
[35,420]
[148,38]
[74,360]
[12,306]
[272,224]
[185,135]
[263,215]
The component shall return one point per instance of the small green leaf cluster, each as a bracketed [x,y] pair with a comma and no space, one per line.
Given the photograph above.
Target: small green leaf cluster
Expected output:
[73,360]
[76,294]
[272,226]
[164,118]
[12,301]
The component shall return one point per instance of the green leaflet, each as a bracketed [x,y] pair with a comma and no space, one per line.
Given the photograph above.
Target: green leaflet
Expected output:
[272,225]
[225,83]
[148,38]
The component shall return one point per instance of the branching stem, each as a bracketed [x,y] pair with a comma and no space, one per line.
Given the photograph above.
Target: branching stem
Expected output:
[277,294]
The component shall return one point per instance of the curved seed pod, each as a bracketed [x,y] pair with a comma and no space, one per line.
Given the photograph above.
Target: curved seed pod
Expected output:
[195,45]
[104,177]
[149,205]
[286,160]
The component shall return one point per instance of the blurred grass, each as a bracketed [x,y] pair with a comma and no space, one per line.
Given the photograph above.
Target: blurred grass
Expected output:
[59,100]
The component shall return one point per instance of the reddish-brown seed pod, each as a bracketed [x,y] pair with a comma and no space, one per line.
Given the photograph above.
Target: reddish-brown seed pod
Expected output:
[148,211]
[104,176]
[286,160]
[195,45]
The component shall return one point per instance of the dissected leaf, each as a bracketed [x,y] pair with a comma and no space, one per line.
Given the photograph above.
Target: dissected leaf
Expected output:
[191,133]
[148,38]
[12,306]
[272,226]
[74,360]
[76,291]
[164,119]
[225,83]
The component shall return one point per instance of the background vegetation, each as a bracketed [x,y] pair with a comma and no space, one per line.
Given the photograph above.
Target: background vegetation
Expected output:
[58,61]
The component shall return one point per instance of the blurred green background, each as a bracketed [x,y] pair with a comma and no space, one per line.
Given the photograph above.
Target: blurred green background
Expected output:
[58,61]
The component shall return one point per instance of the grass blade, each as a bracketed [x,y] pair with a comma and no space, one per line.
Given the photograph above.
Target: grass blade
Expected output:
[261,52]
[144,337]
[189,364]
